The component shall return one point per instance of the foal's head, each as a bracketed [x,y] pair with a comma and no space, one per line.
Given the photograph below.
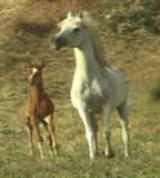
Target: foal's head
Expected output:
[35,73]
[73,31]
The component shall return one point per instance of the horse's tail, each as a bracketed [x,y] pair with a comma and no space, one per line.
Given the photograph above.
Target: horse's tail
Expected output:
[156,92]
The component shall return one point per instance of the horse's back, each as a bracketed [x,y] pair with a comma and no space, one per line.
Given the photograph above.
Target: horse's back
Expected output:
[117,85]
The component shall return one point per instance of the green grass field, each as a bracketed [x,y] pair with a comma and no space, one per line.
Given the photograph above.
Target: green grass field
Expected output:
[138,58]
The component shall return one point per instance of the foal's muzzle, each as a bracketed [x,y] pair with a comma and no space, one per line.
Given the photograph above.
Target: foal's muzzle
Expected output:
[31,81]
[60,42]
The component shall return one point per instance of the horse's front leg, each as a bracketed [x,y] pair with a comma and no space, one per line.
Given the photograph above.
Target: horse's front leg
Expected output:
[90,131]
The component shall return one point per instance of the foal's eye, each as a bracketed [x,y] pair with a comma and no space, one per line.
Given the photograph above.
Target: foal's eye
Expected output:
[76,30]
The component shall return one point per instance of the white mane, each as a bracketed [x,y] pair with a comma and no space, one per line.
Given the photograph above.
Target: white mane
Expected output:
[92,27]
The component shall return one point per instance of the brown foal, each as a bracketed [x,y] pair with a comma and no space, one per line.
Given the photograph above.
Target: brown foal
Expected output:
[39,109]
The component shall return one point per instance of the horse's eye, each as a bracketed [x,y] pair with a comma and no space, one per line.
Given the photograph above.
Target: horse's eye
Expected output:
[76,30]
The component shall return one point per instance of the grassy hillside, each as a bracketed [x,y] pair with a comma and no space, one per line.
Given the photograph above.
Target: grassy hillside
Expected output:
[26,29]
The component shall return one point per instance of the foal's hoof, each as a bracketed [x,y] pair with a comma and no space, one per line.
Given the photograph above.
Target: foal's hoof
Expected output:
[56,149]
[53,152]
[31,153]
[56,152]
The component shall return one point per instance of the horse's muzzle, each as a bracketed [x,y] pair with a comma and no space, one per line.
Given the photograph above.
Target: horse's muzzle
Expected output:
[60,42]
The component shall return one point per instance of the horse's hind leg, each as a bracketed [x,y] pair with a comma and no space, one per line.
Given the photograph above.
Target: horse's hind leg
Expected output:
[123,112]
[29,130]
[106,130]
[95,129]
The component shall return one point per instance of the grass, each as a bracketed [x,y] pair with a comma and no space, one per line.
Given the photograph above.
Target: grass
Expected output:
[136,56]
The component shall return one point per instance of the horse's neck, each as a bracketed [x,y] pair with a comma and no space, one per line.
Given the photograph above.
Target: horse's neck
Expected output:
[86,63]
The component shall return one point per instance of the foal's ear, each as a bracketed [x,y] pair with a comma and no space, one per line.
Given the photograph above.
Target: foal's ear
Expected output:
[29,65]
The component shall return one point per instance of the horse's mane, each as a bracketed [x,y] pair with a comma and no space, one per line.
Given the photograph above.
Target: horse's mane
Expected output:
[92,27]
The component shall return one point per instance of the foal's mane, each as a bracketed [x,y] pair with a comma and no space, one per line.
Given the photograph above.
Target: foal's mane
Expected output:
[92,27]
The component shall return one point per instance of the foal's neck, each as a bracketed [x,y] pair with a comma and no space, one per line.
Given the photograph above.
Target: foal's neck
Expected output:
[37,90]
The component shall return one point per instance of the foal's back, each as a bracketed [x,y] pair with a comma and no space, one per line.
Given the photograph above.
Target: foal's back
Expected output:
[40,105]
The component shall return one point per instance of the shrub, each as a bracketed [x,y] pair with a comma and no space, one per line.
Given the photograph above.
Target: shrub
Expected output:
[134,15]
[39,17]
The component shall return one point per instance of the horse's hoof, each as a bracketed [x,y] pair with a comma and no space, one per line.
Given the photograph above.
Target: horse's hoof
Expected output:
[97,154]
[110,155]
[42,157]
[128,155]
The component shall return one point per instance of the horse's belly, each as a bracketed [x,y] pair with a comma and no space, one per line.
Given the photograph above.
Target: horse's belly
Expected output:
[91,100]
[94,103]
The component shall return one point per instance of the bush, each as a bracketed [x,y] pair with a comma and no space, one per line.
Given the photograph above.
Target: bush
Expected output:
[134,15]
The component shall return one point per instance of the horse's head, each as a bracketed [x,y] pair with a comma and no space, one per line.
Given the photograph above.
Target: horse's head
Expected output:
[72,32]
[35,72]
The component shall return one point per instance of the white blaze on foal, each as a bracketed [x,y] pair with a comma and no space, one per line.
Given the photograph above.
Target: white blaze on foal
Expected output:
[97,86]
[34,71]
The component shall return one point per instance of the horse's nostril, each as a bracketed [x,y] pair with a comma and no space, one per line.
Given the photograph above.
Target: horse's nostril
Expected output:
[58,40]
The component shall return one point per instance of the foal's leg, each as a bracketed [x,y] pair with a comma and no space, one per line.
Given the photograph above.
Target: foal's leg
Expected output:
[40,139]
[89,131]
[51,129]
[52,132]
[123,112]
[29,129]
[107,110]
[45,124]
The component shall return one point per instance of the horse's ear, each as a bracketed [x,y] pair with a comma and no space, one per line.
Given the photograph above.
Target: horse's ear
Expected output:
[69,15]
[81,14]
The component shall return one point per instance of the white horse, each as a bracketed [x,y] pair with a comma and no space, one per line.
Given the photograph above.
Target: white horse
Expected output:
[97,86]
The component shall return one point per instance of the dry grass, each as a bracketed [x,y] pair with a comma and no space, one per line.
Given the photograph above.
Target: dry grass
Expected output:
[137,57]
[36,17]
